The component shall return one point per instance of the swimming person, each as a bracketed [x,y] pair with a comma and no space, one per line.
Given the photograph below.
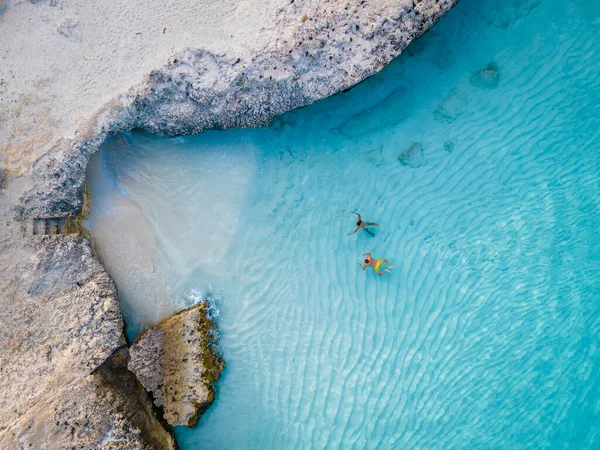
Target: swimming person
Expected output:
[360,224]
[375,264]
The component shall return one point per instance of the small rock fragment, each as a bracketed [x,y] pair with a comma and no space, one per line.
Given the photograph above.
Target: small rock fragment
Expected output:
[413,157]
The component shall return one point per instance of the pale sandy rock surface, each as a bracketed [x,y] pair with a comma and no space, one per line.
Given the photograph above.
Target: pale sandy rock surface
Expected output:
[107,409]
[62,60]
[60,322]
[73,73]
[176,361]
[300,52]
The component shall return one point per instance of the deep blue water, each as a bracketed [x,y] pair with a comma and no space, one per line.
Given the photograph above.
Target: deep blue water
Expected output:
[485,335]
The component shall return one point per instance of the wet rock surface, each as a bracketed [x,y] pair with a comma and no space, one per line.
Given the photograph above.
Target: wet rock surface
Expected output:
[176,361]
[451,107]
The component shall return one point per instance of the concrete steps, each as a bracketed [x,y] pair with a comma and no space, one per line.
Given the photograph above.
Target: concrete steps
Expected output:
[52,226]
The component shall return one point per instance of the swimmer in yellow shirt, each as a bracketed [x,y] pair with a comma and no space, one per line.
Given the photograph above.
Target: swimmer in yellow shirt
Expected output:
[375,264]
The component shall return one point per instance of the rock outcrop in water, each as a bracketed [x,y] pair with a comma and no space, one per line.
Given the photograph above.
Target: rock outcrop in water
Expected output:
[60,320]
[176,361]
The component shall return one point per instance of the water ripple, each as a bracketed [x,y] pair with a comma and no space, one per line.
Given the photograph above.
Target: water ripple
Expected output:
[485,335]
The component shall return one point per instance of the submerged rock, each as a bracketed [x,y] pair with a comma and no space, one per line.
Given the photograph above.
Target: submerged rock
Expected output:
[432,47]
[451,107]
[413,157]
[374,156]
[449,146]
[487,78]
[502,14]
[390,111]
[176,361]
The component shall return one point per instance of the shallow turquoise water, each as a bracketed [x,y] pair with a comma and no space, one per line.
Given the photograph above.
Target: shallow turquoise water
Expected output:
[485,335]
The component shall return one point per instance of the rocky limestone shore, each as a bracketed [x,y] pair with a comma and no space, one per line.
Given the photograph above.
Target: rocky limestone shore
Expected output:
[318,48]
[61,384]
[60,322]
[175,361]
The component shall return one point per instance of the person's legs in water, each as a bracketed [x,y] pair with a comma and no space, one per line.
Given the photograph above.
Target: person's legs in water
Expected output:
[377,267]
[370,224]
[388,264]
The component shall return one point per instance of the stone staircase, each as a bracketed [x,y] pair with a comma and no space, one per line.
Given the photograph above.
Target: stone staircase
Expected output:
[44,227]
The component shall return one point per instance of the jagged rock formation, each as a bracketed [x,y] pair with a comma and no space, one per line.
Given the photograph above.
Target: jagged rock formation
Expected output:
[60,320]
[60,324]
[176,361]
[124,393]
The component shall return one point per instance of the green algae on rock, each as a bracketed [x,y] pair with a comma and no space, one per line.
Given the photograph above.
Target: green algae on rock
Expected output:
[74,224]
[176,360]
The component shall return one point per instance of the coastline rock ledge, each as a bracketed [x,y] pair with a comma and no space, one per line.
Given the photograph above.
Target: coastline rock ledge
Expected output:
[176,361]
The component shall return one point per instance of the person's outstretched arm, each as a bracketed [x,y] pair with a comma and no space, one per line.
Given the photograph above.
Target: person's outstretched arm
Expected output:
[352,232]
[359,218]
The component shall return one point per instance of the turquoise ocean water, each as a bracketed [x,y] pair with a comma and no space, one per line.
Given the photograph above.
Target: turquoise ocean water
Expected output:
[478,153]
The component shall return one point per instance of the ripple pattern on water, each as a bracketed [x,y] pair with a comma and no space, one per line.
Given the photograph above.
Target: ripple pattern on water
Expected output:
[486,334]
